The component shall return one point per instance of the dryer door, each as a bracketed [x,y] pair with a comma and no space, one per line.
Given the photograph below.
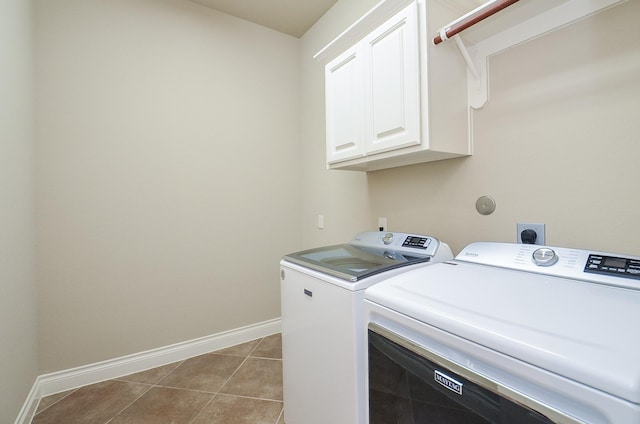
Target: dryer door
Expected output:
[406,387]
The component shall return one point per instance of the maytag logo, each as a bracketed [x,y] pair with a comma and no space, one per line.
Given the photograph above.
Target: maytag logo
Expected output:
[448,382]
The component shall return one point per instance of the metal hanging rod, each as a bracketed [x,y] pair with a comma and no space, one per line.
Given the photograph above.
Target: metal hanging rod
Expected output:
[479,14]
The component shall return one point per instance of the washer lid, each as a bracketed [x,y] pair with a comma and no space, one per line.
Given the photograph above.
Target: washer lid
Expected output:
[353,263]
[583,331]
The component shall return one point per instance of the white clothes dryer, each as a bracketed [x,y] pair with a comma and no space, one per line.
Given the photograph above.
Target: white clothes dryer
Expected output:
[507,333]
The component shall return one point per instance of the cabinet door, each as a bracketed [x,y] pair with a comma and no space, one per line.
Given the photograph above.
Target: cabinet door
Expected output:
[392,83]
[344,106]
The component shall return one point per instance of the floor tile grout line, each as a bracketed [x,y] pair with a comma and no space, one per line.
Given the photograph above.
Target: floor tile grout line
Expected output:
[63,397]
[215,352]
[265,358]
[215,395]
[208,392]
[250,397]
[256,347]
[131,403]
[171,372]
[240,366]
[219,351]
[159,382]
[211,392]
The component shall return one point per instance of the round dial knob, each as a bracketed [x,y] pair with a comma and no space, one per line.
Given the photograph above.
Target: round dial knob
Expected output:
[544,257]
[387,238]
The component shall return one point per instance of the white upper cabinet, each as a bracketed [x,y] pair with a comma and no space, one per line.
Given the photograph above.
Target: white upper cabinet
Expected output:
[344,99]
[382,108]
[392,83]
[373,92]
[394,98]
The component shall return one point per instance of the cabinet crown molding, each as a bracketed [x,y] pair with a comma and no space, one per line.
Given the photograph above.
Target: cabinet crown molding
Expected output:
[359,29]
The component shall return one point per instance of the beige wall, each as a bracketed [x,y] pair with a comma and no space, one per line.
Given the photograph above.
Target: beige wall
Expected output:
[168,172]
[18,315]
[342,197]
[557,143]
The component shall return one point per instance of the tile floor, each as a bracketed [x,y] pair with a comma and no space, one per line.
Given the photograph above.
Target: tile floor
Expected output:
[238,385]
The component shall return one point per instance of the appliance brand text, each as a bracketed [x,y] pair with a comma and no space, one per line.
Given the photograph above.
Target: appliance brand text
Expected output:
[448,382]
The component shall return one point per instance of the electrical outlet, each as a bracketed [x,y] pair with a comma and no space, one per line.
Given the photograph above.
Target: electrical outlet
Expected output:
[539,232]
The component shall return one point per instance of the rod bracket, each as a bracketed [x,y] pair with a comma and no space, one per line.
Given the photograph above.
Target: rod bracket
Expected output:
[477,77]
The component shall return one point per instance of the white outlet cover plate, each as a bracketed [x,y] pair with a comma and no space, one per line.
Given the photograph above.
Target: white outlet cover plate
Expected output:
[538,228]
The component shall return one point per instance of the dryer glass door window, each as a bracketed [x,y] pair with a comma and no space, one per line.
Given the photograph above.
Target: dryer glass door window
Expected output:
[405,388]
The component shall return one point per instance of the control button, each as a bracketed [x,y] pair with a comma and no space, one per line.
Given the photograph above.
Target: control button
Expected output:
[544,257]
[387,238]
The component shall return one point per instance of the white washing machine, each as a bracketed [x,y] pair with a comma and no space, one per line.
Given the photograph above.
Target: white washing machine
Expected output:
[323,334]
[507,333]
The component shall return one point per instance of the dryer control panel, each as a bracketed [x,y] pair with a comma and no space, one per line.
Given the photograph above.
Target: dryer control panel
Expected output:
[592,266]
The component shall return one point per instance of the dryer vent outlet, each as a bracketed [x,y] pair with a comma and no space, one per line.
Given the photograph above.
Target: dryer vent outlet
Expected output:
[529,233]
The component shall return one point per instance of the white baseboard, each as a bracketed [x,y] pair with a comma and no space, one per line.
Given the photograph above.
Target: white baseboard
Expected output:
[60,381]
[30,405]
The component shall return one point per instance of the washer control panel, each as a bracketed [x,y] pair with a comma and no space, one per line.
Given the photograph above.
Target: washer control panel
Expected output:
[412,244]
[613,265]
[417,242]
